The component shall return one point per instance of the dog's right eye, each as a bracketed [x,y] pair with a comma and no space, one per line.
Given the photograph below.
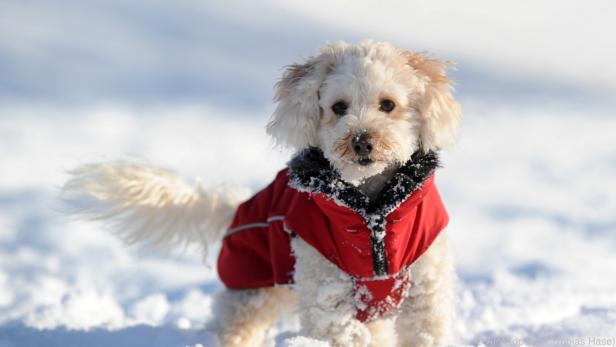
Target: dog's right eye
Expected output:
[340,108]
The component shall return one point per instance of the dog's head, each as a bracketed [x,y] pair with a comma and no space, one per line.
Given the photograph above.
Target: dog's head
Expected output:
[367,106]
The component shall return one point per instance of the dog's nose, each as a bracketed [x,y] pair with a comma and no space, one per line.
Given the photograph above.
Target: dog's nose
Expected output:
[362,144]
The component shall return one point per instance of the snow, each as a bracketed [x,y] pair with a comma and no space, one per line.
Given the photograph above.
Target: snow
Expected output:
[531,224]
[300,341]
[530,186]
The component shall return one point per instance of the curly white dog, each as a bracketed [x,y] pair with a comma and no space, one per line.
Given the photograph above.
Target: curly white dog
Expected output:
[350,233]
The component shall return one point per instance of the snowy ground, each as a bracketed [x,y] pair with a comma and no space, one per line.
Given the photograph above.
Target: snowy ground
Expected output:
[530,186]
[531,195]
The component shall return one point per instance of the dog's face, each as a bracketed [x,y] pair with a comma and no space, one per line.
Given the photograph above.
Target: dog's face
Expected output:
[368,119]
[367,107]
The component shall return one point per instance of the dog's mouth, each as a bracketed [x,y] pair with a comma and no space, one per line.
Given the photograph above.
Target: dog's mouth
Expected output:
[365,161]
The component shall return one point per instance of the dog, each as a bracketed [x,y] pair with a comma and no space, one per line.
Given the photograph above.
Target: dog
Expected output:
[349,235]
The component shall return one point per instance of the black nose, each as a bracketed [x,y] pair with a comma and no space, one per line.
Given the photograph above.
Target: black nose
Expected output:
[362,144]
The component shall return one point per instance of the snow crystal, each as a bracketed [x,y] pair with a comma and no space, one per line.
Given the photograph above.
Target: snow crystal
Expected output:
[300,341]
[79,309]
[151,309]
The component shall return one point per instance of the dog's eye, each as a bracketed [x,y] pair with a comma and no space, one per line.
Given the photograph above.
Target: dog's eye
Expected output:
[340,108]
[386,106]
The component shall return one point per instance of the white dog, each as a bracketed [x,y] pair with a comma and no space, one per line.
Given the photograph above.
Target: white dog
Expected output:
[350,233]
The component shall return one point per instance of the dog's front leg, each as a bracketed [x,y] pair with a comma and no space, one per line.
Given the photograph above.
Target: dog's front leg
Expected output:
[383,332]
[426,317]
[242,317]
[326,306]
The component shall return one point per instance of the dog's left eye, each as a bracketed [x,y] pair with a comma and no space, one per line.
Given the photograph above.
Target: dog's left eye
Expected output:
[386,105]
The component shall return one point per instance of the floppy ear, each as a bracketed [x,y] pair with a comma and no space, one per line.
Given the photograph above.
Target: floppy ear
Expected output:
[296,118]
[440,113]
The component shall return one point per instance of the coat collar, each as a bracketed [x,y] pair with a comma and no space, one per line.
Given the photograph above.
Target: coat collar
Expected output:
[310,171]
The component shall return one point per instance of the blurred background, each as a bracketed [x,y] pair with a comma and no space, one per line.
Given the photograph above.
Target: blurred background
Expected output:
[530,185]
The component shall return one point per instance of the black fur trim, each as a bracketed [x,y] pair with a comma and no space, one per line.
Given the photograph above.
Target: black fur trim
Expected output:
[310,171]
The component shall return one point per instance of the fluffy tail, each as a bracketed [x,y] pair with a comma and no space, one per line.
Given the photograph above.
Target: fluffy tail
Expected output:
[152,206]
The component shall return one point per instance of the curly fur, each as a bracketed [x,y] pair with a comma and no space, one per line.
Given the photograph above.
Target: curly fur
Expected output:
[426,113]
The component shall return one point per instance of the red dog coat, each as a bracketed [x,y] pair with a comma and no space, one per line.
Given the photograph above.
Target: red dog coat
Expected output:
[372,241]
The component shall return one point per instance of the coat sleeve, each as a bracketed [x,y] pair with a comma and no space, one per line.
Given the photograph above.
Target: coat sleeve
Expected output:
[256,250]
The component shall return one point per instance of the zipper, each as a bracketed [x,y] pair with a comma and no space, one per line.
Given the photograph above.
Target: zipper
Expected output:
[376,225]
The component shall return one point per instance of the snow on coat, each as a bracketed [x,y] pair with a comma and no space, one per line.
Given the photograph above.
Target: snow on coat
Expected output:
[373,241]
